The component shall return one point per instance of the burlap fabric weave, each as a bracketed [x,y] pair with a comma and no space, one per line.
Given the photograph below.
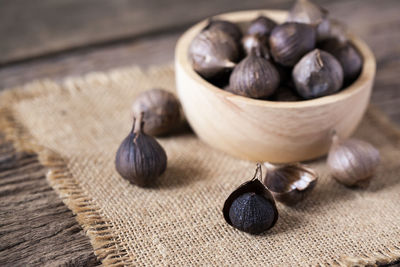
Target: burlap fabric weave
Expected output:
[76,127]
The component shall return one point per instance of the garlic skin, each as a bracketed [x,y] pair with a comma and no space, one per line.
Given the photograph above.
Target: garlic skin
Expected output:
[254,77]
[257,43]
[352,162]
[347,55]
[338,31]
[317,74]
[161,111]
[226,26]
[261,26]
[289,41]
[290,183]
[304,11]
[140,159]
[212,52]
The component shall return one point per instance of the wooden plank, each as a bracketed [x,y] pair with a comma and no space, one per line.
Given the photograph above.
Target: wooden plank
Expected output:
[36,227]
[33,28]
[380,33]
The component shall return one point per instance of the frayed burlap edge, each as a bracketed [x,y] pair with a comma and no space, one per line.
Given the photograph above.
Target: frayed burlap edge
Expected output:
[107,247]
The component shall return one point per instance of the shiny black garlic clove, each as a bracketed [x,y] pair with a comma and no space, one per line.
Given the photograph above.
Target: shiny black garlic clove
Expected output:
[289,41]
[212,52]
[261,26]
[161,111]
[254,77]
[317,74]
[304,11]
[251,207]
[140,159]
[347,55]
[290,183]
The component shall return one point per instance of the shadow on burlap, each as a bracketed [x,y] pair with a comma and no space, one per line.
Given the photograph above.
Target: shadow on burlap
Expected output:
[76,128]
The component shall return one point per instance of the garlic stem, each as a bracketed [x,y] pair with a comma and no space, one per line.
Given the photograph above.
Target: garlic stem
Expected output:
[138,123]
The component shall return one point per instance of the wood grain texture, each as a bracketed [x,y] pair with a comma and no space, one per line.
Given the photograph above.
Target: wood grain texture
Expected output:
[36,228]
[36,28]
[379,33]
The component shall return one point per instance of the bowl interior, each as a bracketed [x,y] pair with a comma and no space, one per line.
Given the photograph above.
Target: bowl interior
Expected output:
[243,18]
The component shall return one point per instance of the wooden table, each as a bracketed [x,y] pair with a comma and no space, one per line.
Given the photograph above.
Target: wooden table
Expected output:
[54,39]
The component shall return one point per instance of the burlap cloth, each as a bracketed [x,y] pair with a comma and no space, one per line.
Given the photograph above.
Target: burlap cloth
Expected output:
[76,128]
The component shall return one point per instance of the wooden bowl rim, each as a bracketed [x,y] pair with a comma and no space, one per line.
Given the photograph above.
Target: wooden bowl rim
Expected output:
[181,55]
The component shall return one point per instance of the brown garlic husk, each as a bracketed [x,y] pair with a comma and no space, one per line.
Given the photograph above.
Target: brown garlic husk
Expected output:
[304,11]
[290,183]
[226,26]
[261,26]
[254,77]
[140,159]
[161,109]
[352,162]
[251,207]
[289,41]
[347,55]
[317,74]
[213,52]
[256,42]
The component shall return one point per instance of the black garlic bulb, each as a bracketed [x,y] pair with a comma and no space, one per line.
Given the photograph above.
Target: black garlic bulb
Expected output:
[352,162]
[289,183]
[140,159]
[338,31]
[256,42]
[347,55]
[261,26]
[317,74]
[304,11]
[161,111]
[251,207]
[226,26]
[254,77]
[212,52]
[289,41]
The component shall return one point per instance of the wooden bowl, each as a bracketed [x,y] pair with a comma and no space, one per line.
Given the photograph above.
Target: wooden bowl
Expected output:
[261,130]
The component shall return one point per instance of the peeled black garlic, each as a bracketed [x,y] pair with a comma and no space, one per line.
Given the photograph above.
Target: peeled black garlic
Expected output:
[161,111]
[140,159]
[317,74]
[261,26]
[212,52]
[256,42]
[251,207]
[304,11]
[289,41]
[347,55]
[290,183]
[352,162]
[226,26]
[254,77]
